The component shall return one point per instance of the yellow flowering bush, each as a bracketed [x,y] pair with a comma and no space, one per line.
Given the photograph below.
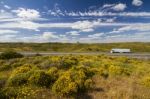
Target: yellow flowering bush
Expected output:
[23,69]
[146,81]
[77,79]
[119,70]
[88,84]
[64,86]
[26,92]
[53,72]
[115,70]
[20,75]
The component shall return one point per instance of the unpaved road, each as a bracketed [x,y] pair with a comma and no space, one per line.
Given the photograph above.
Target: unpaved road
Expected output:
[132,55]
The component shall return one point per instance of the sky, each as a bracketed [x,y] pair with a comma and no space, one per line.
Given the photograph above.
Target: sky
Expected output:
[87,21]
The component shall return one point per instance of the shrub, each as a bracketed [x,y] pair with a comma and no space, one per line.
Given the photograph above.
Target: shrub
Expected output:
[88,84]
[17,80]
[53,73]
[17,64]
[115,70]
[68,62]
[102,71]
[146,81]
[26,92]
[89,72]
[2,95]
[10,92]
[23,69]
[45,64]
[10,55]
[5,67]
[64,86]
[20,75]
[77,79]
[119,70]
[2,81]
[40,78]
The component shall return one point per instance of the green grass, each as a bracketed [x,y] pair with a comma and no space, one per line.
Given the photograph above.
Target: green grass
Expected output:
[74,47]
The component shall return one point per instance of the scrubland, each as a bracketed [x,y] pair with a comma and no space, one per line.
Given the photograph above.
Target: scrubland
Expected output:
[136,47]
[74,77]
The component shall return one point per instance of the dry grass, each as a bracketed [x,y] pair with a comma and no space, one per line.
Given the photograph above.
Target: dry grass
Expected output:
[117,88]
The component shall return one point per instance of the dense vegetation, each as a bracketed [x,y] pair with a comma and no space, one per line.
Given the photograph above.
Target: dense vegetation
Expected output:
[74,47]
[10,55]
[78,76]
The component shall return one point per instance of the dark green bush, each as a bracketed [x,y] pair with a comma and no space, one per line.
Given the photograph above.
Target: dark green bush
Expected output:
[53,72]
[5,67]
[10,93]
[10,55]
[2,82]
[40,78]
[68,62]
[18,80]
[2,95]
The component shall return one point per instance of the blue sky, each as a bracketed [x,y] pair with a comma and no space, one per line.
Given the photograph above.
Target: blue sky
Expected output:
[88,21]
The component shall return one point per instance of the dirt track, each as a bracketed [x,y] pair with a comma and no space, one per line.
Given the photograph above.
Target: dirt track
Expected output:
[132,55]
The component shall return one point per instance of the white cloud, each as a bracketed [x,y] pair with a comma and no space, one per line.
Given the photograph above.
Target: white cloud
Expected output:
[119,7]
[2,32]
[73,33]
[137,2]
[48,35]
[82,26]
[110,20]
[134,14]
[8,38]
[88,30]
[136,27]
[62,36]
[86,26]
[56,11]
[96,35]
[105,10]
[27,13]
[108,5]
[20,25]
[5,15]
[101,13]
[7,7]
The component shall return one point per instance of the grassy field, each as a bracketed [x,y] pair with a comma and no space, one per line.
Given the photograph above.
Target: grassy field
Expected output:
[74,47]
[78,76]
